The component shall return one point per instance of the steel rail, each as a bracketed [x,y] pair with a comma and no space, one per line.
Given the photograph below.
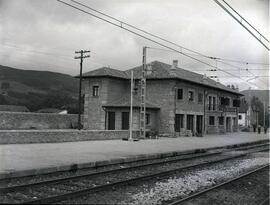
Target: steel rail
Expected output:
[59,180]
[190,197]
[70,195]
[165,161]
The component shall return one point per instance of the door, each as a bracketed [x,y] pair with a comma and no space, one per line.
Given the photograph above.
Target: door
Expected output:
[178,122]
[111,120]
[199,124]
[190,122]
[228,124]
[125,120]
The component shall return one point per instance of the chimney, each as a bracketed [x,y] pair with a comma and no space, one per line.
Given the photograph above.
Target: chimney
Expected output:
[174,67]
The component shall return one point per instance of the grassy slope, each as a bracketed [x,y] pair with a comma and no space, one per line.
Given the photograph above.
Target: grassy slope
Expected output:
[32,88]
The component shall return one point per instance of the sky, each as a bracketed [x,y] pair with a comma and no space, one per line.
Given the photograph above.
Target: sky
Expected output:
[43,35]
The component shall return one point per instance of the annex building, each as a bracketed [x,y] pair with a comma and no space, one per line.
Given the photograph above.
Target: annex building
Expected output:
[178,102]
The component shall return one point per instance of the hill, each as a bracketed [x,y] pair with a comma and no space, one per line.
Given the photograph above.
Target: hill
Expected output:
[37,89]
[263,95]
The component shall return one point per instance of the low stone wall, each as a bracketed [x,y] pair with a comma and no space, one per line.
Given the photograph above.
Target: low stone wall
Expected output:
[24,120]
[54,136]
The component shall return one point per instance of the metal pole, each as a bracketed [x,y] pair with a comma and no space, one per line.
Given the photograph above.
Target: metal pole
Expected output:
[80,92]
[143,96]
[263,113]
[131,104]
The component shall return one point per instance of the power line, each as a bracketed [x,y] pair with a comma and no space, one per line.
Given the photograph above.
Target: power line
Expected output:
[246,21]
[147,38]
[153,35]
[216,68]
[241,23]
[218,58]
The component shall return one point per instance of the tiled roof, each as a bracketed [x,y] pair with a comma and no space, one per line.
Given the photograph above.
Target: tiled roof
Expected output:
[106,71]
[125,102]
[160,71]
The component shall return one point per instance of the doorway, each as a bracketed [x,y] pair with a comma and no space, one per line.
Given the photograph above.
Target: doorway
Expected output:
[199,125]
[190,120]
[125,120]
[179,122]
[111,120]
[228,124]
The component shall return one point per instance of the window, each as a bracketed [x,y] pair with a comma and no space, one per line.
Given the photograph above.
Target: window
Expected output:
[240,117]
[200,98]
[147,116]
[135,92]
[214,103]
[209,102]
[179,94]
[95,91]
[211,120]
[221,120]
[190,96]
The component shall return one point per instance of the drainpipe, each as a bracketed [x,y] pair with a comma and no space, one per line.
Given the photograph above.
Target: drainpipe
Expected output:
[131,104]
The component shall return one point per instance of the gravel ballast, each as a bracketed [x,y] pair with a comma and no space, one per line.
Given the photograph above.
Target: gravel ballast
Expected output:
[179,185]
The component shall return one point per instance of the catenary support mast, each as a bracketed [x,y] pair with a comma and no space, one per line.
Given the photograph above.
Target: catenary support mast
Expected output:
[143,96]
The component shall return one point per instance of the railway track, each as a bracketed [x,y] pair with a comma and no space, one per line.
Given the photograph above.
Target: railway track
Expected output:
[218,186]
[56,190]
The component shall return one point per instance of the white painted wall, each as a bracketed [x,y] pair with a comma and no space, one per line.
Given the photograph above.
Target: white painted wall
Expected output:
[242,119]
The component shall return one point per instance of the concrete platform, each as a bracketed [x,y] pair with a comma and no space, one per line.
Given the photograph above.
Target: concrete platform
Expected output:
[29,159]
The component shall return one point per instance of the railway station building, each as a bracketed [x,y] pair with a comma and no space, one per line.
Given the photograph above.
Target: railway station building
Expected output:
[178,102]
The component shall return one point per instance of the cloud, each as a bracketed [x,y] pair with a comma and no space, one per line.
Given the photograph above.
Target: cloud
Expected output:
[43,35]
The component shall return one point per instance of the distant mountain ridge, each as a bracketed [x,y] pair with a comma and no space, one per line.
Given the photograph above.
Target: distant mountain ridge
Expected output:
[33,88]
[263,95]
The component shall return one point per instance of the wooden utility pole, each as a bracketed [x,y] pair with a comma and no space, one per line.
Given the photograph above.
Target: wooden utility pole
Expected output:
[143,96]
[81,57]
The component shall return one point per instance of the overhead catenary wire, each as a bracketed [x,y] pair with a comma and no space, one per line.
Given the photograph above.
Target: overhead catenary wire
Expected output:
[240,22]
[216,67]
[246,21]
[156,36]
[148,38]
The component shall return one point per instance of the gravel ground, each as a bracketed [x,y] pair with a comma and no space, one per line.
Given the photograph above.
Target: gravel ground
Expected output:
[179,185]
[239,192]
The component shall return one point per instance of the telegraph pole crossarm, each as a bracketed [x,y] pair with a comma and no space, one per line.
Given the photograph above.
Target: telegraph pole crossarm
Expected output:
[81,57]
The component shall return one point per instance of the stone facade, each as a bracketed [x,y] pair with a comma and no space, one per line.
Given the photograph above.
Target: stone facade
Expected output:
[198,111]
[162,93]
[56,136]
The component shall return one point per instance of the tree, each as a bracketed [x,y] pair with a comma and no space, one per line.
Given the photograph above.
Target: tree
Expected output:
[257,107]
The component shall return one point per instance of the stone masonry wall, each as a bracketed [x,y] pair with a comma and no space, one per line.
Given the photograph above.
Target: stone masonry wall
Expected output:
[161,93]
[23,120]
[55,136]
[109,90]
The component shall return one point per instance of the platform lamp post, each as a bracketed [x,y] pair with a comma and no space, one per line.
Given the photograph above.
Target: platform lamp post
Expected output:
[131,107]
